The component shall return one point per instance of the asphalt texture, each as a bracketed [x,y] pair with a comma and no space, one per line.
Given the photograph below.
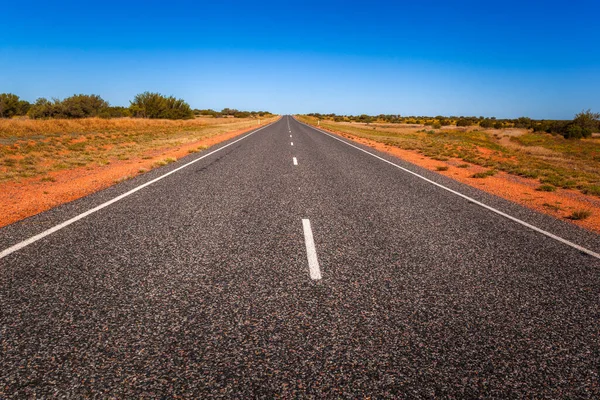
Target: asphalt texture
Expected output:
[198,286]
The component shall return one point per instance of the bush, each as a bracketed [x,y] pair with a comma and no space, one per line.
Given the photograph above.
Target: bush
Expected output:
[524,122]
[82,106]
[155,105]
[463,122]
[43,108]
[582,126]
[575,132]
[76,106]
[486,123]
[208,112]
[115,112]
[588,121]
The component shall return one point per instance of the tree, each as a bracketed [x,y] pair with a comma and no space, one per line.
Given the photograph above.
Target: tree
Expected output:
[588,120]
[524,122]
[83,106]
[582,126]
[11,105]
[76,106]
[229,111]
[155,105]
[43,108]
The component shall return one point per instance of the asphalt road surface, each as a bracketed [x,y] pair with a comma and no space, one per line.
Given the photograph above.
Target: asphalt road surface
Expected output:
[266,269]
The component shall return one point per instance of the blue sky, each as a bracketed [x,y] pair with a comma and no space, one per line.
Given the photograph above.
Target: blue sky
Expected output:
[493,58]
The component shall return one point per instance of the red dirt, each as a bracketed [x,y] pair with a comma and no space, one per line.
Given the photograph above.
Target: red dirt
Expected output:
[559,204]
[31,196]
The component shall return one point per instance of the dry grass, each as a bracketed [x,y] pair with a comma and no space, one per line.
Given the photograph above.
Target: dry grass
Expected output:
[551,159]
[20,128]
[31,148]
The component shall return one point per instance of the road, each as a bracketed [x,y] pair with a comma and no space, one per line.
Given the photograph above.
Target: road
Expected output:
[261,269]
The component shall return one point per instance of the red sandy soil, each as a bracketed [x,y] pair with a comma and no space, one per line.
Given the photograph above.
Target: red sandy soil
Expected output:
[559,204]
[31,196]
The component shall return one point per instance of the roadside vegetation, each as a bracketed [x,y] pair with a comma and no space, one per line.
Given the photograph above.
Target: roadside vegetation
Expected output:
[86,131]
[36,147]
[559,154]
[582,126]
[144,105]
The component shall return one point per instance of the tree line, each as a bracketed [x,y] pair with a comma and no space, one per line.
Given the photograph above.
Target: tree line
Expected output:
[232,112]
[144,105]
[581,126]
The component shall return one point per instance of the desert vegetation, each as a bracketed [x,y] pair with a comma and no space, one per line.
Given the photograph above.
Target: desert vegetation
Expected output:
[548,151]
[34,148]
[144,105]
[582,126]
[232,113]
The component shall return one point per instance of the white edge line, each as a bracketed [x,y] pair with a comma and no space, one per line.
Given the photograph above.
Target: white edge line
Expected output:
[311,251]
[60,226]
[532,227]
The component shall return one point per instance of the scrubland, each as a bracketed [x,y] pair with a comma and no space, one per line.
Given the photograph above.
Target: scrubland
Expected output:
[34,148]
[554,161]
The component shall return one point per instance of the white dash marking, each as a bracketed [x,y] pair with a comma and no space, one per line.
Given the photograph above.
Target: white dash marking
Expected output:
[311,251]
[292,143]
[290,135]
[295,161]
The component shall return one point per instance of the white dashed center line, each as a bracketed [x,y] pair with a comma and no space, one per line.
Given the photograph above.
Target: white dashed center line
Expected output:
[295,161]
[292,143]
[311,251]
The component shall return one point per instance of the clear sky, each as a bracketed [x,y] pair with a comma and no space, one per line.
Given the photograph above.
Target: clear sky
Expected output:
[427,57]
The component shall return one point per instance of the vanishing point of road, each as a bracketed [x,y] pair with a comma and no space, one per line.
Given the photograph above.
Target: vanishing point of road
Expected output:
[292,263]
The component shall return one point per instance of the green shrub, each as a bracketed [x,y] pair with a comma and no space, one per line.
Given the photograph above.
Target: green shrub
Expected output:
[546,188]
[463,122]
[76,106]
[486,123]
[573,132]
[155,105]
[115,112]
